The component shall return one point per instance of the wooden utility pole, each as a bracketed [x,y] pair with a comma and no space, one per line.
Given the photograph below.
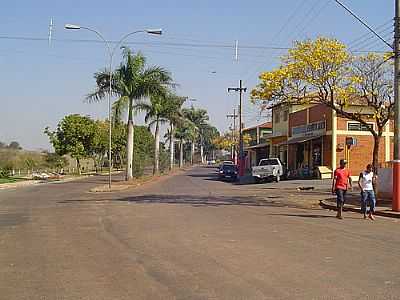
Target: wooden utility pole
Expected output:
[240,89]
[234,116]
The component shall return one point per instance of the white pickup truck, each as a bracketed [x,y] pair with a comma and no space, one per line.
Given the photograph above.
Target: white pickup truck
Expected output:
[269,168]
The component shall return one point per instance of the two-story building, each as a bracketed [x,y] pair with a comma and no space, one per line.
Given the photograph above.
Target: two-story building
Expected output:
[317,136]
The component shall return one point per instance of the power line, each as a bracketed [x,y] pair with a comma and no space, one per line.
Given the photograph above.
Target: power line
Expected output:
[379,28]
[362,22]
[371,37]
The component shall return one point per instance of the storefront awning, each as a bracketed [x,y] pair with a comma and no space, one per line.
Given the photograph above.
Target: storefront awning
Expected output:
[258,146]
[303,139]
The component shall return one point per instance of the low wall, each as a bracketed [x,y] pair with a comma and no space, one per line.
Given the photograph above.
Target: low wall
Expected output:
[385,183]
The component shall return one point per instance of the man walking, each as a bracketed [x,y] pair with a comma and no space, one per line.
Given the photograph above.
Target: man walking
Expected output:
[341,181]
[366,183]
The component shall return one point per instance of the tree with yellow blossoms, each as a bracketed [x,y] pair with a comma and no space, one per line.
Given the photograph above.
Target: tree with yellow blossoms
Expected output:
[323,71]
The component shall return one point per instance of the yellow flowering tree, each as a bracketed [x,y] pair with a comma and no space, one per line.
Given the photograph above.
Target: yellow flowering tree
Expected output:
[323,71]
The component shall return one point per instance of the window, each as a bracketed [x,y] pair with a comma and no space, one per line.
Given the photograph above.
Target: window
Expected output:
[269,162]
[277,116]
[285,115]
[355,126]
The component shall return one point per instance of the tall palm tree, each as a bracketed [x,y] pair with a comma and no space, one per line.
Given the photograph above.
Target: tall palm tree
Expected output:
[175,117]
[132,81]
[157,111]
[199,118]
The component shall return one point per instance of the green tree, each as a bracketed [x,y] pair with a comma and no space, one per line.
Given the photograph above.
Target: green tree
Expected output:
[54,160]
[74,136]
[144,149]
[133,80]
[14,145]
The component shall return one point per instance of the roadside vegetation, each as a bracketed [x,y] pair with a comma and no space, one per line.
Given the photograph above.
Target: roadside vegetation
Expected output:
[138,88]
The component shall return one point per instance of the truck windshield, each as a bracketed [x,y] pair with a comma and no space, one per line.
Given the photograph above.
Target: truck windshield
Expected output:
[269,162]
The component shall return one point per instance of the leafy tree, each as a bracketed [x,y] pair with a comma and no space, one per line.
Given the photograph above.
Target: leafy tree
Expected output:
[53,160]
[14,145]
[323,71]
[74,135]
[144,149]
[133,80]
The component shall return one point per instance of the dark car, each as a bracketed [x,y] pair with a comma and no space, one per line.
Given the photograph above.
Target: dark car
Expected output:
[227,171]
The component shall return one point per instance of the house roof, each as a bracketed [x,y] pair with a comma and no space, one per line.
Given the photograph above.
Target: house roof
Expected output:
[266,125]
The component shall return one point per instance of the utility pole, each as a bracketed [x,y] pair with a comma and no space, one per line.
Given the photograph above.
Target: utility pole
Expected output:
[234,117]
[240,89]
[396,156]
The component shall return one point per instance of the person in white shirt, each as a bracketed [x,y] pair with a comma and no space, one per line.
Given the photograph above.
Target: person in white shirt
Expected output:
[366,182]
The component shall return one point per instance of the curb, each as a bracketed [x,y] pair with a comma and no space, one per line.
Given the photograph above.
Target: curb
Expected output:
[388,214]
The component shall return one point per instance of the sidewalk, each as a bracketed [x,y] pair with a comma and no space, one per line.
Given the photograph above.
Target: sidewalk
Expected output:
[383,207]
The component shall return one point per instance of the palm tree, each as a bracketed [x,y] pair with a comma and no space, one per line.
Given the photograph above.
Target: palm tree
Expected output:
[132,81]
[157,111]
[199,118]
[175,117]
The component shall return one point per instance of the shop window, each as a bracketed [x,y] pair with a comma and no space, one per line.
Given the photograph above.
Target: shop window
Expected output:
[355,126]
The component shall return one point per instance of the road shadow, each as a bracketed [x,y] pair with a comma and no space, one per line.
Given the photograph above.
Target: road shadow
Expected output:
[188,200]
[304,216]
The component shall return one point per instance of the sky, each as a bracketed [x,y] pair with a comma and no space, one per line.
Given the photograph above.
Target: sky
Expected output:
[41,83]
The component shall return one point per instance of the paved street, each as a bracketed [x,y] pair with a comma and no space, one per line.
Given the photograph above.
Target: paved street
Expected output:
[190,237]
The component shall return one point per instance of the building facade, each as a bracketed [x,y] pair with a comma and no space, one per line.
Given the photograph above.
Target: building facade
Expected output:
[318,137]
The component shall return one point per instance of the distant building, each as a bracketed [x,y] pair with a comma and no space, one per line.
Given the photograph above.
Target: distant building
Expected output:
[259,145]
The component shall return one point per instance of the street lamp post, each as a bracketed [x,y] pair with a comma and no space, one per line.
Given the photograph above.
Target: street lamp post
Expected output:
[111,52]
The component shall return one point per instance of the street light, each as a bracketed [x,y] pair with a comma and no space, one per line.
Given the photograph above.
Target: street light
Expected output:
[111,52]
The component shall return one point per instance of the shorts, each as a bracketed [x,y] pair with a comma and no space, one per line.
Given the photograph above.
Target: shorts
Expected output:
[340,197]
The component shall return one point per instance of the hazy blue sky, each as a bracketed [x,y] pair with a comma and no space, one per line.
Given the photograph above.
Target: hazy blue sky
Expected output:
[41,83]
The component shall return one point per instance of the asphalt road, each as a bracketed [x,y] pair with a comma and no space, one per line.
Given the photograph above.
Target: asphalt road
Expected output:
[189,237]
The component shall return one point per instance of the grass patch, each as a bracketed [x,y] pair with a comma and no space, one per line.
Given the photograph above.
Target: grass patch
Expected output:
[9,180]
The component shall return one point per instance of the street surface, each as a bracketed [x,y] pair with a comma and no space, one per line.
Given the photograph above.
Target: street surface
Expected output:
[190,236]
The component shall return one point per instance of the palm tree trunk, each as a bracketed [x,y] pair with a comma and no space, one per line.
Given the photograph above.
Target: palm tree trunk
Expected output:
[202,153]
[156,169]
[192,153]
[129,144]
[181,153]
[171,147]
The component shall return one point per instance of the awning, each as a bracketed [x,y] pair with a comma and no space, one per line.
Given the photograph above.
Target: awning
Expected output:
[303,139]
[263,145]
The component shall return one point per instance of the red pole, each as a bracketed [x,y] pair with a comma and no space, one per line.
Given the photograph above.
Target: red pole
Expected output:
[396,154]
[396,186]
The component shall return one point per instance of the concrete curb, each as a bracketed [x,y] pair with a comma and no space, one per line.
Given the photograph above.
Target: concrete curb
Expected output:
[389,214]
[31,182]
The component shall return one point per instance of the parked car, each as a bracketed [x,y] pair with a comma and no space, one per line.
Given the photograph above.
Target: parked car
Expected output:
[227,162]
[211,162]
[268,169]
[228,171]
